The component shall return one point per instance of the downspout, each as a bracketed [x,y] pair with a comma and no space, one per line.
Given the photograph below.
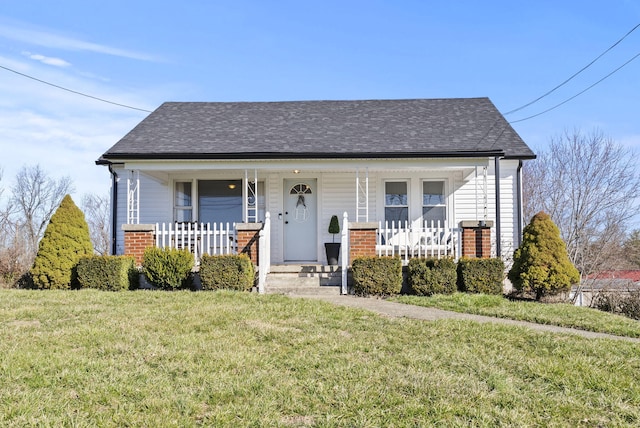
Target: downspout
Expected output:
[519,208]
[498,231]
[114,209]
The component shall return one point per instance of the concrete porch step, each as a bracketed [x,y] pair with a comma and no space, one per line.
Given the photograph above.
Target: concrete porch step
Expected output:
[304,280]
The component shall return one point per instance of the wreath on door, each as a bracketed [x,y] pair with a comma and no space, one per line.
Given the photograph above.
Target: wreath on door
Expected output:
[301,211]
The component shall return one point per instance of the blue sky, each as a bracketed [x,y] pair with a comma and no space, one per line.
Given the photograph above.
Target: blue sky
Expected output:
[142,53]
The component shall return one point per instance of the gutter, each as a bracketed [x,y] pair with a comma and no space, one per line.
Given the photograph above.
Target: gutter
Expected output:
[498,228]
[519,208]
[114,208]
[105,159]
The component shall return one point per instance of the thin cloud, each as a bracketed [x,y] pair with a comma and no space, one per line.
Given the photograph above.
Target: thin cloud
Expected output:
[51,40]
[57,62]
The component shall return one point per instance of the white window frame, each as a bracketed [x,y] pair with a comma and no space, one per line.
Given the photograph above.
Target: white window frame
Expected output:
[444,198]
[408,193]
[191,207]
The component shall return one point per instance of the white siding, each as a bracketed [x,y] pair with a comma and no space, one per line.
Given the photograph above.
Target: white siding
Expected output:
[155,203]
[274,188]
[337,193]
[469,201]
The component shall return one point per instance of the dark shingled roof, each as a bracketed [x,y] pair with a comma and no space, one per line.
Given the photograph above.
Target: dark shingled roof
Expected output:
[322,129]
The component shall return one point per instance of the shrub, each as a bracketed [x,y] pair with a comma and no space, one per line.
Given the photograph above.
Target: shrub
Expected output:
[110,273]
[65,241]
[480,275]
[380,276]
[541,263]
[432,276]
[167,268]
[623,303]
[230,272]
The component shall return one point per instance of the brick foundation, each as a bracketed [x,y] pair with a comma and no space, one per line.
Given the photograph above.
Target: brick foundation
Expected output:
[476,239]
[137,238]
[362,240]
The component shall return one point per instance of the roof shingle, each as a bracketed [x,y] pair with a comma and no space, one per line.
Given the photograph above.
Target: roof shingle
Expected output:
[322,129]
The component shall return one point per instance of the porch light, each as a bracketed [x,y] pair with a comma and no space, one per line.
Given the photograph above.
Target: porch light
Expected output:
[296,171]
[232,186]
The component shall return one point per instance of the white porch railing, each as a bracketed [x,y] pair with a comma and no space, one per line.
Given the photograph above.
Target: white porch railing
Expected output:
[428,239]
[198,238]
[264,253]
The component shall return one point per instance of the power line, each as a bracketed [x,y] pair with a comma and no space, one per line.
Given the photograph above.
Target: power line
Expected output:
[574,75]
[576,95]
[74,92]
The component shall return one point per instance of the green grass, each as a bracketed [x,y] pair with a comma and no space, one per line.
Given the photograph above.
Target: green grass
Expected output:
[563,315]
[182,359]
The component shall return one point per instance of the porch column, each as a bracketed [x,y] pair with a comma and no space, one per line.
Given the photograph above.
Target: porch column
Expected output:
[476,239]
[137,238]
[248,236]
[362,239]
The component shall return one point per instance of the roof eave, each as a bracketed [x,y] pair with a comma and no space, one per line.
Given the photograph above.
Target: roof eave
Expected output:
[109,157]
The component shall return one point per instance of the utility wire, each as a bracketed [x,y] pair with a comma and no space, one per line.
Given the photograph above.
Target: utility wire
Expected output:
[574,75]
[74,92]
[576,95]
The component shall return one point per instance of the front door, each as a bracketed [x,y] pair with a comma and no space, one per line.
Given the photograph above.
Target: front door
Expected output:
[300,220]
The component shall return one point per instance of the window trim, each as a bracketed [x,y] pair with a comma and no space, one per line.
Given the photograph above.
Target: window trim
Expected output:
[177,207]
[444,198]
[407,182]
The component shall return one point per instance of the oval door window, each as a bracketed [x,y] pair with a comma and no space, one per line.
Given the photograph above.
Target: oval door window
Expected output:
[301,211]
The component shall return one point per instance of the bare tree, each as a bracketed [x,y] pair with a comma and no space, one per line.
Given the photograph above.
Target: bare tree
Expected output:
[588,184]
[35,197]
[96,211]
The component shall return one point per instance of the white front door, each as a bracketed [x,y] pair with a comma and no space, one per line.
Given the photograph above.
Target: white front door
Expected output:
[300,220]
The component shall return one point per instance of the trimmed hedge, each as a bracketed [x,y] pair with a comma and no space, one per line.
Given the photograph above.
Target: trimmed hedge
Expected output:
[380,276]
[110,273]
[167,268]
[228,272]
[481,275]
[432,276]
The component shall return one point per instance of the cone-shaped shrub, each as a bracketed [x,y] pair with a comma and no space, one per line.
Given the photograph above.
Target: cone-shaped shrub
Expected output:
[65,241]
[541,264]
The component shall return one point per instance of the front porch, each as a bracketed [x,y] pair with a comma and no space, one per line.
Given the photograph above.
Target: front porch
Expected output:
[408,240]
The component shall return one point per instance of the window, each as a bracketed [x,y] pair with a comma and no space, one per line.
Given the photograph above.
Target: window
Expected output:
[220,201]
[433,202]
[182,204]
[396,202]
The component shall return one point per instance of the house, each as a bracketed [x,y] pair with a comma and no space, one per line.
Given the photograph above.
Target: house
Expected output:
[620,283]
[412,172]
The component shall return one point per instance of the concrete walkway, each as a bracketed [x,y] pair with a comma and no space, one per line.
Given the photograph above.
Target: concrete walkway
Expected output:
[393,309]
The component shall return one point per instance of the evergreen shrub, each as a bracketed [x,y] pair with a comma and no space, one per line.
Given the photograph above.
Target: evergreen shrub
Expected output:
[66,239]
[432,276]
[227,272]
[481,275]
[541,264]
[381,276]
[167,268]
[109,273]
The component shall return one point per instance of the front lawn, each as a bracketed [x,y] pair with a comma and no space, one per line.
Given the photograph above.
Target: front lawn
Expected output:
[90,358]
[563,315]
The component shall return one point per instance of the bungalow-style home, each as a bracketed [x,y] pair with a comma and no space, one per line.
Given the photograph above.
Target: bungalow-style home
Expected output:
[404,177]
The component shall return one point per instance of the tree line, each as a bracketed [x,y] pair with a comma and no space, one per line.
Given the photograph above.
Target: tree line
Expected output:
[26,206]
[589,185]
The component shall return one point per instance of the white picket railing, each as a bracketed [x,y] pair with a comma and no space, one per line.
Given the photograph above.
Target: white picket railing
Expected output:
[198,238]
[428,239]
[264,253]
